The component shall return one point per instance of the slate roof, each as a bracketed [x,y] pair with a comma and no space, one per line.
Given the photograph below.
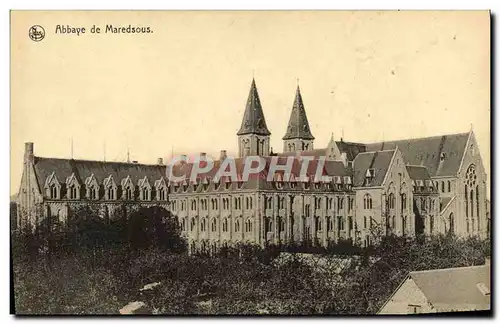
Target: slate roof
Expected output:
[351,149]
[427,151]
[315,153]
[82,169]
[332,168]
[455,289]
[378,161]
[418,172]
[298,126]
[253,119]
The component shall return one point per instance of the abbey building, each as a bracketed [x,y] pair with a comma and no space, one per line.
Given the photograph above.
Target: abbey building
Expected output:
[406,187]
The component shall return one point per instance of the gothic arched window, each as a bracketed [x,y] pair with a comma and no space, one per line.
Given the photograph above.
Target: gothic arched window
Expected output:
[392,201]
[367,201]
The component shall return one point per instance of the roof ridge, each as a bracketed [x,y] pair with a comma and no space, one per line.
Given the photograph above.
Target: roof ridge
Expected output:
[373,152]
[98,161]
[419,138]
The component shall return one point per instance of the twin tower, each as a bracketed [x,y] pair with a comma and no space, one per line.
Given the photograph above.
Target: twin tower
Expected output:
[254,136]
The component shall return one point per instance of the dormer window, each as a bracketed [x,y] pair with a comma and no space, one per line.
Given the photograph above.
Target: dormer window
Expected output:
[206,183]
[307,185]
[195,185]
[317,185]
[293,184]
[228,184]
[348,182]
[145,189]
[73,187]
[161,194]
[338,183]
[145,194]
[110,193]
[442,156]
[128,193]
[53,192]
[72,192]
[239,184]
[370,173]
[216,184]
[93,193]
[92,188]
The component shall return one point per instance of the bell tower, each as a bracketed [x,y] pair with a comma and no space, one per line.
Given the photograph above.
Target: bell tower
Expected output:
[253,136]
[298,135]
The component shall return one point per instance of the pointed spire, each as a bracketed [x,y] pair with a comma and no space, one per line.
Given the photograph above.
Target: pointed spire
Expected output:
[298,126]
[253,119]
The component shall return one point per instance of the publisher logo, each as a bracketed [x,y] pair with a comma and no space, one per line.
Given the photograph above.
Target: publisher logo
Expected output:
[37,33]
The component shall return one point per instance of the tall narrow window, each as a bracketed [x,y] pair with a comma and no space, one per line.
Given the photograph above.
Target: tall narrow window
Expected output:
[392,201]
[477,207]
[472,204]
[367,202]
[449,186]
[451,220]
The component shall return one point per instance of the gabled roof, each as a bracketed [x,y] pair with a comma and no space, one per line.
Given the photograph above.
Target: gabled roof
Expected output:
[298,126]
[418,172]
[427,152]
[253,118]
[455,289]
[82,169]
[379,161]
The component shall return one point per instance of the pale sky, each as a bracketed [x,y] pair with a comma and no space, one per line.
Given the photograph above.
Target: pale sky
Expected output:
[376,75]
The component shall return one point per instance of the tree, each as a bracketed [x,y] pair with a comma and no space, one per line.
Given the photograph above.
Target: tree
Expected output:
[155,226]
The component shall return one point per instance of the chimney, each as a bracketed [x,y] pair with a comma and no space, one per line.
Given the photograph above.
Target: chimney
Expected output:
[223,155]
[203,154]
[135,162]
[160,161]
[29,152]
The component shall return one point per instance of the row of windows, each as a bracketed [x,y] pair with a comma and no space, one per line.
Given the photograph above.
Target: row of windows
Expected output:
[178,188]
[444,185]
[391,201]
[214,202]
[110,193]
[248,225]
